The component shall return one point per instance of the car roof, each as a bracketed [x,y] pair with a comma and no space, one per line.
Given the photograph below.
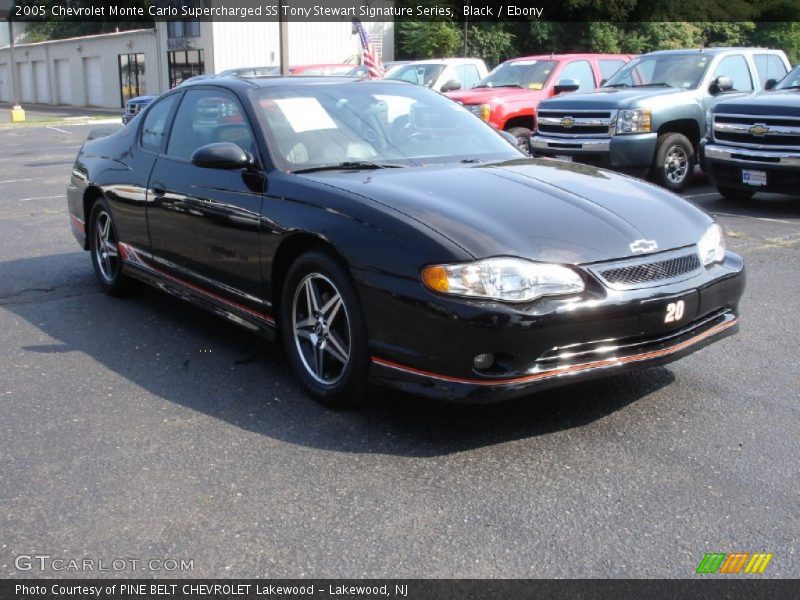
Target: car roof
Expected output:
[244,83]
[570,56]
[713,51]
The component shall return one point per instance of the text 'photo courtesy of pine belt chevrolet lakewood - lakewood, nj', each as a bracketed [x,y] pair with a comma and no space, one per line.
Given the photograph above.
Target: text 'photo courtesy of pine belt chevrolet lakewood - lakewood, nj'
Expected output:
[388,235]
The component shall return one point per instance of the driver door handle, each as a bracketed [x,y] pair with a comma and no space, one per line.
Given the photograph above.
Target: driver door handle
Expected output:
[158,189]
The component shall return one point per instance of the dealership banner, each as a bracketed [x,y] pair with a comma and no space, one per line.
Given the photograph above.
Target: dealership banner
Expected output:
[414,589]
[401,10]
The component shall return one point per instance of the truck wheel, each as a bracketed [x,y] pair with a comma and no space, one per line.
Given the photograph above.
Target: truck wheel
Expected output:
[523,135]
[735,194]
[674,162]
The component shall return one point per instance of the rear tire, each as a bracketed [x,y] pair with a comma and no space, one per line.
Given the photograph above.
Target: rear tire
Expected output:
[523,135]
[104,249]
[735,194]
[324,331]
[674,162]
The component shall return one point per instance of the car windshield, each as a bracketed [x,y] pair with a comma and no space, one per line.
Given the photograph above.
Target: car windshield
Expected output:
[314,126]
[792,80]
[531,74]
[684,71]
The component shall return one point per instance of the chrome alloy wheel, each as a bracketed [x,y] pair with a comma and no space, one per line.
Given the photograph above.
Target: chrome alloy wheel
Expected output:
[321,328]
[676,164]
[106,250]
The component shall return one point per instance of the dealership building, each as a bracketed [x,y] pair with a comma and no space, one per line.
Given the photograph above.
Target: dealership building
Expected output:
[106,70]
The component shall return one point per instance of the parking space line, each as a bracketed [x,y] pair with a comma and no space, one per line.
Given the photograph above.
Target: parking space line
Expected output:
[57,129]
[702,195]
[768,219]
[31,179]
[40,198]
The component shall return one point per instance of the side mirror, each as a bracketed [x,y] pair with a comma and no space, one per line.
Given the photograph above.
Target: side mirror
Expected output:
[721,84]
[451,86]
[770,83]
[566,85]
[222,155]
[509,137]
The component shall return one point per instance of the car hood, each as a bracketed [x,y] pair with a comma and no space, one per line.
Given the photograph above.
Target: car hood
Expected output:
[610,98]
[773,103]
[537,209]
[494,95]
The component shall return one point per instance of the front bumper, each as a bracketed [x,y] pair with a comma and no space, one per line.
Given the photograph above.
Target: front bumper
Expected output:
[424,343]
[724,164]
[619,151]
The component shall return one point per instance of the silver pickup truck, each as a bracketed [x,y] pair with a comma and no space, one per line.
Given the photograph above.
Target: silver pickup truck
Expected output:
[650,116]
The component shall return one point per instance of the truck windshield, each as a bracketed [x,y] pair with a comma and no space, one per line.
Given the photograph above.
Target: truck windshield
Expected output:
[530,74]
[420,74]
[684,71]
[792,80]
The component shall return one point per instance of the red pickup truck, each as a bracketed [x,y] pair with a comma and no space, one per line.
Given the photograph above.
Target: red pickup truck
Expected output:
[507,98]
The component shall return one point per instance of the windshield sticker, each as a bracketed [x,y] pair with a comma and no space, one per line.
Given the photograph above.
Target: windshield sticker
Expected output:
[305,114]
[535,86]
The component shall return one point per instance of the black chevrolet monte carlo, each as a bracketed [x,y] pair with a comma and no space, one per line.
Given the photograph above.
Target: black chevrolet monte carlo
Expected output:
[387,235]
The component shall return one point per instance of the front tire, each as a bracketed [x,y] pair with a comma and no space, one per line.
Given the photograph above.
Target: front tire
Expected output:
[523,135]
[104,249]
[735,194]
[674,162]
[324,331]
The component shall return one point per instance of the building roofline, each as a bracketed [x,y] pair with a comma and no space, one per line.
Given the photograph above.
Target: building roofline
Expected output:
[96,36]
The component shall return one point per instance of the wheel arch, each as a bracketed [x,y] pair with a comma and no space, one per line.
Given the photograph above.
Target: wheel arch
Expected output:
[526,121]
[90,196]
[687,127]
[287,252]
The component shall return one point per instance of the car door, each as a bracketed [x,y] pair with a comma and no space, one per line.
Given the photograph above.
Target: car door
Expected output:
[580,71]
[737,68]
[204,222]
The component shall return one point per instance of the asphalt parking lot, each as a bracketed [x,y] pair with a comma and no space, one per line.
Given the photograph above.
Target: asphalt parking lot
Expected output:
[144,428]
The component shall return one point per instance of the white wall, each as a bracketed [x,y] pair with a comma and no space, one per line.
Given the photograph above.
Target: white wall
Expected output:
[105,47]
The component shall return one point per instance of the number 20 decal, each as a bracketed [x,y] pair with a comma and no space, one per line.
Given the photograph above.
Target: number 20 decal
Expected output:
[674,311]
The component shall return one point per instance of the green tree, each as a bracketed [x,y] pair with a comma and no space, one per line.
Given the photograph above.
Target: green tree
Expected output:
[492,42]
[57,29]
[429,39]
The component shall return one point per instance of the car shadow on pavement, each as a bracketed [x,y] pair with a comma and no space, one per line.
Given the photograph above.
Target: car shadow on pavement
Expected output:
[770,206]
[183,355]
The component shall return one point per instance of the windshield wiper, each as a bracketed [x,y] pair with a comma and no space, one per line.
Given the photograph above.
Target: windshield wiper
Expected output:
[616,85]
[498,85]
[350,166]
[656,84]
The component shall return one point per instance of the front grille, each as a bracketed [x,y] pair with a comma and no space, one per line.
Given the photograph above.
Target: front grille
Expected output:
[576,123]
[757,131]
[650,271]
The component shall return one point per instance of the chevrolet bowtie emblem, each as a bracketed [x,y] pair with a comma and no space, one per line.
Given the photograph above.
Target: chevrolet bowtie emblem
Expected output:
[567,122]
[644,246]
[759,129]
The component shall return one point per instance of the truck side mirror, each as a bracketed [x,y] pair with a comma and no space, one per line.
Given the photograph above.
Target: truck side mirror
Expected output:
[566,85]
[451,86]
[770,83]
[721,84]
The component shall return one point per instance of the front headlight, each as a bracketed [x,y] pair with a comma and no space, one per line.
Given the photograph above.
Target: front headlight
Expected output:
[486,112]
[636,120]
[711,246]
[505,279]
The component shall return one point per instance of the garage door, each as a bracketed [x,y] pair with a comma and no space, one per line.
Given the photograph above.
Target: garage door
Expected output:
[63,82]
[25,81]
[5,85]
[41,85]
[92,79]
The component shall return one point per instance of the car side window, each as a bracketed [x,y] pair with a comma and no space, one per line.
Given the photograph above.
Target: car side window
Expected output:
[155,124]
[735,67]
[581,71]
[208,116]
[609,66]
[467,75]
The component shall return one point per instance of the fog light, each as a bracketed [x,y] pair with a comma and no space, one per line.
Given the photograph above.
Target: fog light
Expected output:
[483,361]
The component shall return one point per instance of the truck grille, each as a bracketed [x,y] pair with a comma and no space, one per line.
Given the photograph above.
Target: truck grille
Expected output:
[650,271]
[757,131]
[577,123]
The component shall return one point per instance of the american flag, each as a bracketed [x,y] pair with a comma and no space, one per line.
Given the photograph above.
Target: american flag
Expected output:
[370,58]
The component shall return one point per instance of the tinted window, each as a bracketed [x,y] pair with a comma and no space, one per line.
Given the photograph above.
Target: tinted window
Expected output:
[580,71]
[467,75]
[420,74]
[792,80]
[155,123]
[769,66]
[208,117]
[608,67]
[736,68]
